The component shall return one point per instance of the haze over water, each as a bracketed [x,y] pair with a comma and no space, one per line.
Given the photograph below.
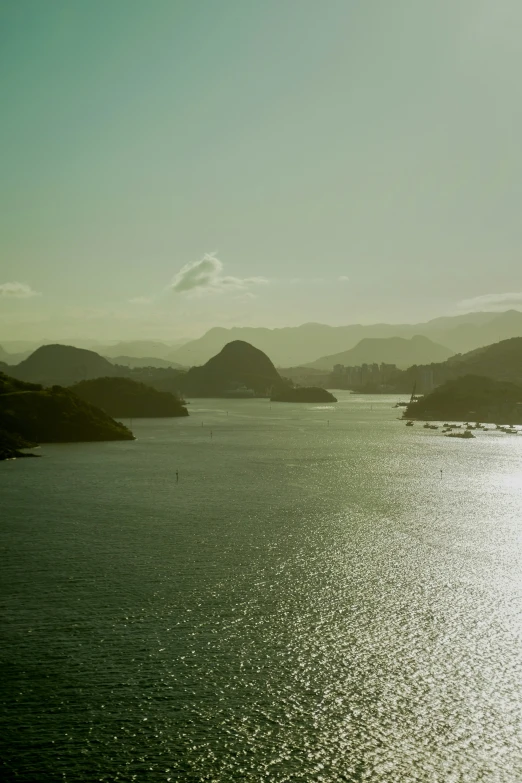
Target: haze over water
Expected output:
[311,601]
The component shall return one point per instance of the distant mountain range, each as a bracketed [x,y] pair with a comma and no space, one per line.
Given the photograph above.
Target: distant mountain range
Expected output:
[15,351]
[242,364]
[298,345]
[391,350]
[302,345]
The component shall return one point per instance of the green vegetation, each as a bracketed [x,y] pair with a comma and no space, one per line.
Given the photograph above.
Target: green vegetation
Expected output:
[30,414]
[304,394]
[470,398]
[239,364]
[125,399]
[8,385]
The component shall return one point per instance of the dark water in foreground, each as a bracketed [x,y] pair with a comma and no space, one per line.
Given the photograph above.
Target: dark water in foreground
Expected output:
[310,602]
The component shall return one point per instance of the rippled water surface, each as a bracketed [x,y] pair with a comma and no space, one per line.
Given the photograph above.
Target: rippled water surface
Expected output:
[311,601]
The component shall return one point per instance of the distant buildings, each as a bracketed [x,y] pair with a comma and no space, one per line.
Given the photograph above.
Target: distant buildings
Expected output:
[364,376]
[426,380]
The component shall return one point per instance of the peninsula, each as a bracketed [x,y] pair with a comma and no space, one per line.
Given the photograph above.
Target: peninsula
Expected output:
[31,414]
[126,399]
[470,398]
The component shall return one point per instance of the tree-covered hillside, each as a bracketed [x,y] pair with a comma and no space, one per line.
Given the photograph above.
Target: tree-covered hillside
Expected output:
[125,399]
[470,398]
[55,415]
[238,364]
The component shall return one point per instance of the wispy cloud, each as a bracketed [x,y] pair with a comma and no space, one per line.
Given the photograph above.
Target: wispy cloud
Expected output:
[343,278]
[141,300]
[492,301]
[17,291]
[206,275]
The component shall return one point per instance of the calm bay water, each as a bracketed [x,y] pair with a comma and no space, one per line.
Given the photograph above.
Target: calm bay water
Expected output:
[310,602]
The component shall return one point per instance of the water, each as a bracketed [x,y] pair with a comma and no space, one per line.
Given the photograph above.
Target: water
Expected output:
[310,602]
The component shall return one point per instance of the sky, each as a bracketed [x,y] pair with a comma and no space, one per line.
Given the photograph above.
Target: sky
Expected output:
[173,165]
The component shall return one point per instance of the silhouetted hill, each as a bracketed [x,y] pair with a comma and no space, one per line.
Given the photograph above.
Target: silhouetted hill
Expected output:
[53,415]
[470,398]
[301,345]
[304,394]
[238,364]
[390,350]
[125,399]
[63,365]
[502,361]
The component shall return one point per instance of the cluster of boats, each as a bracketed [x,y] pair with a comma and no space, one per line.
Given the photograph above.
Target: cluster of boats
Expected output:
[448,429]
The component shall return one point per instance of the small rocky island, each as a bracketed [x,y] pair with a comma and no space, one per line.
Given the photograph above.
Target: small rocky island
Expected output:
[304,394]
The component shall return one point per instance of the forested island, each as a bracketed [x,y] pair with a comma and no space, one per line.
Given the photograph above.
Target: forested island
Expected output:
[304,394]
[31,414]
[470,398]
[126,399]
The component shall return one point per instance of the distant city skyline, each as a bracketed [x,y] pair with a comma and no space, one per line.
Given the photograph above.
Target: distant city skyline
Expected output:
[173,166]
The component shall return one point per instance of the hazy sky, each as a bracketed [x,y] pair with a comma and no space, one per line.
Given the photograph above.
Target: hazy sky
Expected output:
[171,165]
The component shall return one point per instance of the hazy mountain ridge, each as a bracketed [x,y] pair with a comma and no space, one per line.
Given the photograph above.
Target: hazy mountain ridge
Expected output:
[139,348]
[302,345]
[400,351]
[12,358]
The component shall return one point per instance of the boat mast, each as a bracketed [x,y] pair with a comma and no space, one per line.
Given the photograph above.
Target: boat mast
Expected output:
[412,398]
